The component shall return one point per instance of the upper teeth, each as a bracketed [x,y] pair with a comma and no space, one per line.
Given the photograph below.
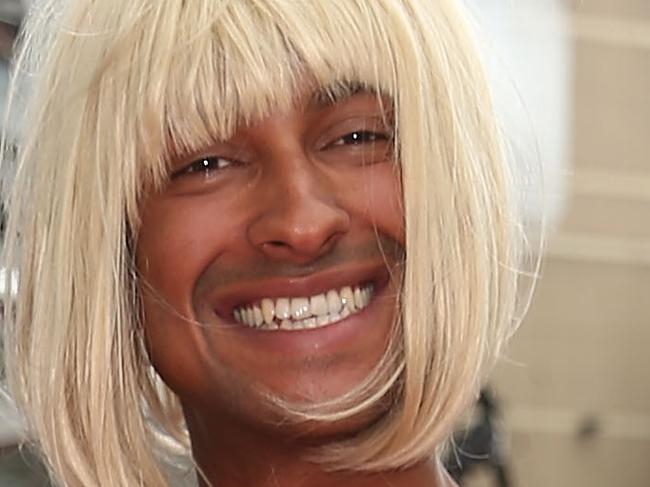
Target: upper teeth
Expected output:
[304,312]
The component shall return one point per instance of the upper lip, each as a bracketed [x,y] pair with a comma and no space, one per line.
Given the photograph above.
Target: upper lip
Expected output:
[247,291]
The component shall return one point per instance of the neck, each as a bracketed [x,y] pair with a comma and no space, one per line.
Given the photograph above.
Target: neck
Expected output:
[236,456]
[301,474]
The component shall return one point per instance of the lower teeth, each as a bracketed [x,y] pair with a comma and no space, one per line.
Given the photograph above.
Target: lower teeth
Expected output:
[306,324]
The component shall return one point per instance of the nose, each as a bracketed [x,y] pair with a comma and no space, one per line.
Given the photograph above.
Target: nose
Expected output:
[299,218]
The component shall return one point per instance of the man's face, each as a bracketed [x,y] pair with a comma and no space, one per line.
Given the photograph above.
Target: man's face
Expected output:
[271,261]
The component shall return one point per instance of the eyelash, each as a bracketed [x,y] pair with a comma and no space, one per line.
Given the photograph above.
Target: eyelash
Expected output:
[204,165]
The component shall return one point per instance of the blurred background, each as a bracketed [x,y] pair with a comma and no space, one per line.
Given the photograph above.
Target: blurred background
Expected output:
[570,404]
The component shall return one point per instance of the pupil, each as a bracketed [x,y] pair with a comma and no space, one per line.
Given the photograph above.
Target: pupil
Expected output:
[359,137]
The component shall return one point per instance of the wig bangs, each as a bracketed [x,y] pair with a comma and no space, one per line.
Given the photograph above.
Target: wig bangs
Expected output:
[206,68]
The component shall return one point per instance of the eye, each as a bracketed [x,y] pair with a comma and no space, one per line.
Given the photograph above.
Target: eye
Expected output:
[206,166]
[359,137]
[361,146]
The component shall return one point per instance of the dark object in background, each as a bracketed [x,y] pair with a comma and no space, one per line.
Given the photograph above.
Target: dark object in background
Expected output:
[21,468]
[8,33]
[481,446]
[11,14]
[11,17]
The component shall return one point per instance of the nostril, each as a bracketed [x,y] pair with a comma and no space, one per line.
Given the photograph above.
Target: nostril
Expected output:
[275,244]
[275,247]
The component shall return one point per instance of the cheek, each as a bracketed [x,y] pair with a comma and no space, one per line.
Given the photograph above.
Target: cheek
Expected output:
[377,196]
[162,256]
[177,239]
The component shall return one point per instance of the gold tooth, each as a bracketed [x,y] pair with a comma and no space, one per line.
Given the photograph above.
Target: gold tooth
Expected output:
[268,310]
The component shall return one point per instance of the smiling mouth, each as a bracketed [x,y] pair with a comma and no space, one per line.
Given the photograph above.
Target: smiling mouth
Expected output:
[302,313]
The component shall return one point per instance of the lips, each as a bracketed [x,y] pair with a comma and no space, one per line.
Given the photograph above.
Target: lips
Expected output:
[299,298]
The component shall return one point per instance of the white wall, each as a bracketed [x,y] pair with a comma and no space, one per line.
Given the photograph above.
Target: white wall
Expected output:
[529,57]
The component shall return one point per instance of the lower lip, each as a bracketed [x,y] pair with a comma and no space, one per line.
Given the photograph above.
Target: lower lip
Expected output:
[309,340]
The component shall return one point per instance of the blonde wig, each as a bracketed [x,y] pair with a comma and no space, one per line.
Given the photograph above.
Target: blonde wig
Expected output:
[112,83]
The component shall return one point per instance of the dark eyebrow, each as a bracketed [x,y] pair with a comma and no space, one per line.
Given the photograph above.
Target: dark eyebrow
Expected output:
[329,95]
